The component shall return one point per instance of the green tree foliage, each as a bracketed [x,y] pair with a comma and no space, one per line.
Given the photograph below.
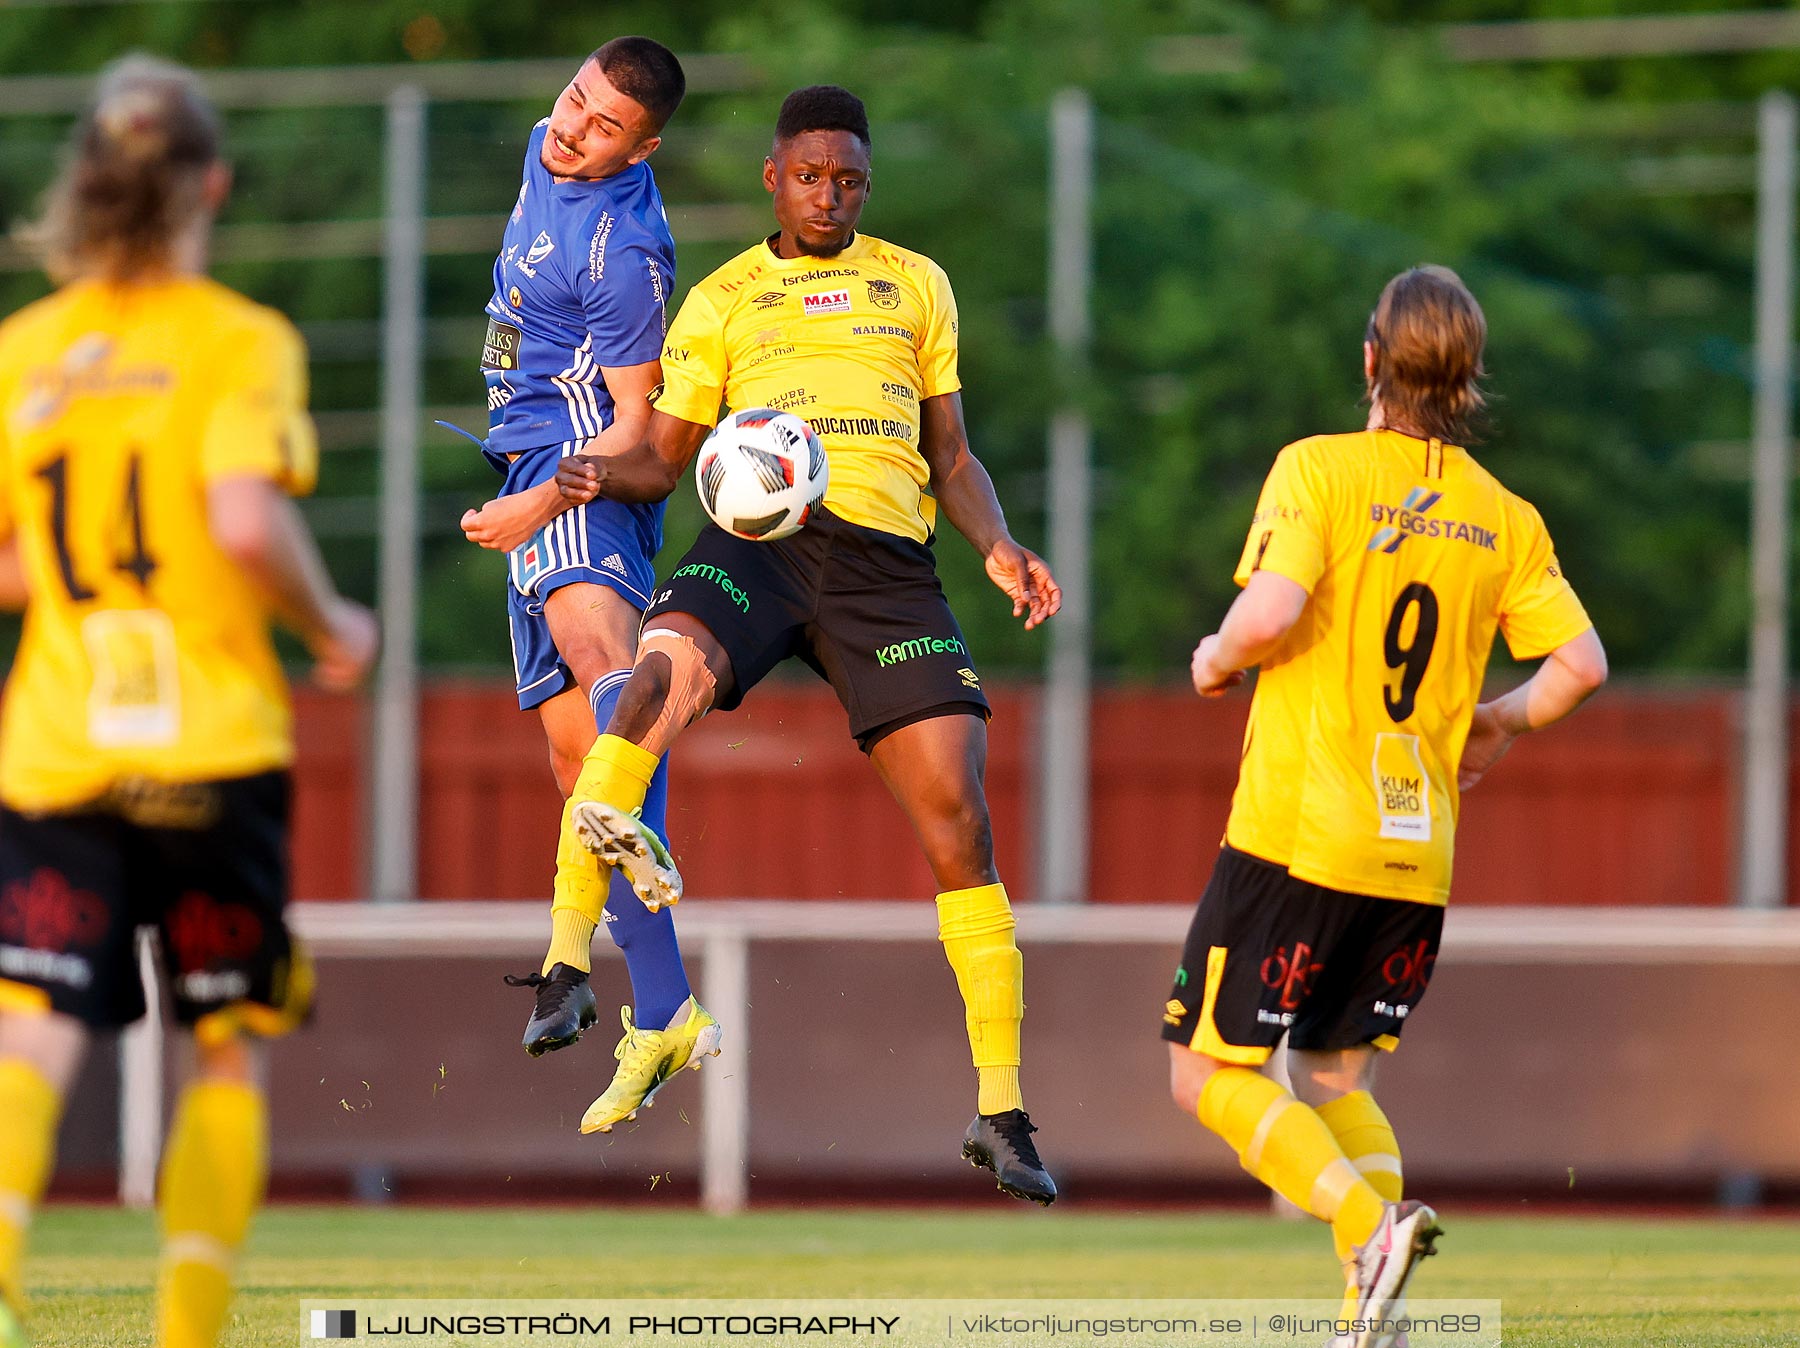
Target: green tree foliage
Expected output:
[1255,189]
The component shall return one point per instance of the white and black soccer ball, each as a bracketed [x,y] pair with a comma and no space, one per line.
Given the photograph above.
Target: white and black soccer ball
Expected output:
[760,473]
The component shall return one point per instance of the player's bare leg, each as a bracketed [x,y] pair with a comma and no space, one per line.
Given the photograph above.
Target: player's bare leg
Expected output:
[660,700]
[679,667]
[935,769]
[568,721]
[680,672]
[40,1052]
[594,629]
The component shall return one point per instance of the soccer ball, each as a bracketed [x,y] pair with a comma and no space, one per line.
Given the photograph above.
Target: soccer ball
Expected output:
[760,474]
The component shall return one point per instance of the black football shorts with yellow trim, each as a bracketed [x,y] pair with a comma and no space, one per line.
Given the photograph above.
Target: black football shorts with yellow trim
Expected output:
[1269,955]
[862,607]
[204,863]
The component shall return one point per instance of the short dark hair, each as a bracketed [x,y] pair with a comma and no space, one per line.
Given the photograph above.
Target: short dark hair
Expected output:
[822,107]
[646,72]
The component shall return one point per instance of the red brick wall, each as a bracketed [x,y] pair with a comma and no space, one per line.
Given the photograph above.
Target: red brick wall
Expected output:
[1630,803]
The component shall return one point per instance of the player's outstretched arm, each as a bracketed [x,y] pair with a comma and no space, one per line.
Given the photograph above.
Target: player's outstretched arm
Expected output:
[509,521]
[966,495]
[1569,676]
[648,471]
[258,526]
[1254,628]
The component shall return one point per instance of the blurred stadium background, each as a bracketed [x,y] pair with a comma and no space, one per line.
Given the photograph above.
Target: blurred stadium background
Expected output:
[1622,953]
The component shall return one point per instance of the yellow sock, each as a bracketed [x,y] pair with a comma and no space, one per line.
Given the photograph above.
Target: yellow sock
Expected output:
[214,1169]
[1288,1147]
[615,771]
[1367,1140]
[976,927]
[571,940]
[29,1109]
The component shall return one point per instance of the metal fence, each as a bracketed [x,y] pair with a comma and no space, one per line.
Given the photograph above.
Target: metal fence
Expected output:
[374,946]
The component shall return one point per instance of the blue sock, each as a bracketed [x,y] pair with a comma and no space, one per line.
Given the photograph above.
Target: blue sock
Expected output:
[659,982]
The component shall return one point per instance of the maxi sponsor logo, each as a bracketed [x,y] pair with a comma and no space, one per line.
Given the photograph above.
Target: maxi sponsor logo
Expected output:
[826,302]
[720,578]
[1397,523]
[899,652]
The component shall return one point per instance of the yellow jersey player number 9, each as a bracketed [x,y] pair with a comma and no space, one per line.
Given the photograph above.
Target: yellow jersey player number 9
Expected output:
[153,431]
[1378,569]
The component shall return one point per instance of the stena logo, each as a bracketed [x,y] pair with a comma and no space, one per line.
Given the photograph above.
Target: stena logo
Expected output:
[826,302]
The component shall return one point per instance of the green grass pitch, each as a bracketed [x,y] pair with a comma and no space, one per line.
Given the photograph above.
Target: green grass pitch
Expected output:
[1649,1283]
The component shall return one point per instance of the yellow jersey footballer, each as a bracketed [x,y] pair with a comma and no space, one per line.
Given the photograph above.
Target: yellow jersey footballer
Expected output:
[852,343]
[859,337]
[153,427]
[1378,569]
[146,654]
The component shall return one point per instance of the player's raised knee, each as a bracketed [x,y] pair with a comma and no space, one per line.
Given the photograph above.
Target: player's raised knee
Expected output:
[670,687]
[642,699]
[962,841]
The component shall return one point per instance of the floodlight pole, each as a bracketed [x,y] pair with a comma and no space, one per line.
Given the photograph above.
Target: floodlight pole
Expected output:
[394,771]
[1765,817]
[1064,759]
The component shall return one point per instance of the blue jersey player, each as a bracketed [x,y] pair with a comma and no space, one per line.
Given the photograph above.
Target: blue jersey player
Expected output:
[575,330]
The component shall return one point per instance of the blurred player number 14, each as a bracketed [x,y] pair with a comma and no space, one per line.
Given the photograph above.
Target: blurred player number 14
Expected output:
[1402,787]
[135,698]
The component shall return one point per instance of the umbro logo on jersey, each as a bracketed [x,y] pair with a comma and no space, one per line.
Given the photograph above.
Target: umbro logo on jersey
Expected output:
[541,248]
[614,563]
[769,299]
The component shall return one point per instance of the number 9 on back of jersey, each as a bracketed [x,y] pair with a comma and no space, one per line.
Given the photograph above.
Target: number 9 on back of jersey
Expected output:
[761,473]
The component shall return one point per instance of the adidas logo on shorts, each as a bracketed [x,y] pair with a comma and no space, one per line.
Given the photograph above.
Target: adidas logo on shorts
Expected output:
[614,563]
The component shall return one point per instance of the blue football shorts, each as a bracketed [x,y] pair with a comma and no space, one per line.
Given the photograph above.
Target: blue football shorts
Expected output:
[601,543]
